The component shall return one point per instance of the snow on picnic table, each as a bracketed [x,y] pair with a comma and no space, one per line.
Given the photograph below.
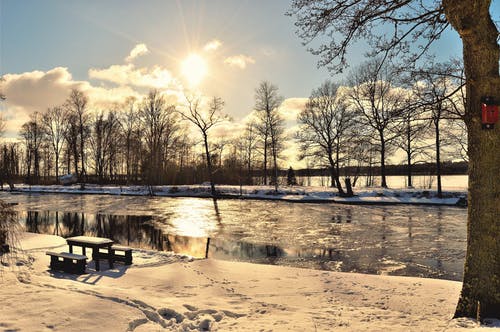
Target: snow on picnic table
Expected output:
[375,195]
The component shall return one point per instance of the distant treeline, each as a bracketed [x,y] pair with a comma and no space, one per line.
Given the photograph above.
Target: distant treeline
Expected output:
[447,168]
[196,175]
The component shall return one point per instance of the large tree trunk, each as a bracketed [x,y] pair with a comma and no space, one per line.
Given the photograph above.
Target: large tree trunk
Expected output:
[481,283]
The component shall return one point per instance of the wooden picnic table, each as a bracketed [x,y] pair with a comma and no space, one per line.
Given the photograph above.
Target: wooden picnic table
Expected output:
[92,242]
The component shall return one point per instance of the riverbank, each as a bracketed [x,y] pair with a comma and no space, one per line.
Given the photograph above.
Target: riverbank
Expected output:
[163,291]
[285,193]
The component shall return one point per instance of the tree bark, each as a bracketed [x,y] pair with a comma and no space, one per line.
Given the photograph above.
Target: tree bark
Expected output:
[382,161]
[275,165]
[82,151]
[265,161]
[438,159]
[480,296]
[334,175]
[409,169]
[209,165]
[408,154]
[57,167]
[75,157]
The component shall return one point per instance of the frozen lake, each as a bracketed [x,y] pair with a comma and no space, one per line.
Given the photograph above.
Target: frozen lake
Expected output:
[427,241]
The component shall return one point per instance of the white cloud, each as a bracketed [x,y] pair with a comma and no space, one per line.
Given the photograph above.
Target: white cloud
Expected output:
[212,45]
[227,130]
[268,52]
[37,90]
[138,50]
[14,117]
[104,98]
[291,108]
[239,61]
[156,77]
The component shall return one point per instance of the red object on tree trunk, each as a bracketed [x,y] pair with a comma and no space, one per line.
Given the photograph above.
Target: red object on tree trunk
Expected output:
[489,112]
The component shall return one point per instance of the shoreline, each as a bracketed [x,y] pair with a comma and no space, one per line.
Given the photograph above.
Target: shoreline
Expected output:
[365,196]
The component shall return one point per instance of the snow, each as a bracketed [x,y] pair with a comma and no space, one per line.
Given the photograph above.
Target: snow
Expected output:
[285,193]
[163,291]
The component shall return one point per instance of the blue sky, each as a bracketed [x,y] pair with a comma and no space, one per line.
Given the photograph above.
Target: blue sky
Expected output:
[51,46]
[80,35]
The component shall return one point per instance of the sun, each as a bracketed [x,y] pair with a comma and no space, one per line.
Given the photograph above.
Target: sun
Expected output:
[194,69]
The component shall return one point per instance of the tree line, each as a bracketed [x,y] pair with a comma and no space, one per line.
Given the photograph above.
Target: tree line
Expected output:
[345,128]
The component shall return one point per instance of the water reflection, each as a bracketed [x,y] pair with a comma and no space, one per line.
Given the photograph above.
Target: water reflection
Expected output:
[397,240]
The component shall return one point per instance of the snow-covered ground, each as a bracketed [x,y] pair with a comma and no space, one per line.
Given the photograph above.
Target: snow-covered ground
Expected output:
[162,291]
[285,193]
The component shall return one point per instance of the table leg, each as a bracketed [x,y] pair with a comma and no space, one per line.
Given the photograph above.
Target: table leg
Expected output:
[70,248]
[95,257]
[83,251]
[110,257]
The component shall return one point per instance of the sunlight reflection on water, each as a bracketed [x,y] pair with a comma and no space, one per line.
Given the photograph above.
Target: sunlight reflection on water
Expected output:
[191,217]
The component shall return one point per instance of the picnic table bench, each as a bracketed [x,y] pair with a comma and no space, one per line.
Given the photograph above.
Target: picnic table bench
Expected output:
[67,262]
[95,243]
[124,254]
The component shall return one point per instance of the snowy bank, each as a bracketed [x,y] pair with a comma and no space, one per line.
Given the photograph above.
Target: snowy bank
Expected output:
[175,293]
[285,193]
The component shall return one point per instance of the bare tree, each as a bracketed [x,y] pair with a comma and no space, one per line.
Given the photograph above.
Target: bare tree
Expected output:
[360,151]
[456,132]
[10,157]
[71,136]
[413,26]
[129,123]
[411,130]
[104,143]
[171,138]
[324,122]
[54,121]
[221,143]
[249,145]
[4,157]
[270,124]
[157,120]
[457,102]
[433,91]
[205,119]
[373,95]
[76,105]
[33,134]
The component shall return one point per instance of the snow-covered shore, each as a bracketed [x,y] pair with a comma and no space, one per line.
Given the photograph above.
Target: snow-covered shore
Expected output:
[285,193]
[162,291]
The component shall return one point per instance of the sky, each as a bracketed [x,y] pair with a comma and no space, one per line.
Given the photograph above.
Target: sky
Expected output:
[112,49]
